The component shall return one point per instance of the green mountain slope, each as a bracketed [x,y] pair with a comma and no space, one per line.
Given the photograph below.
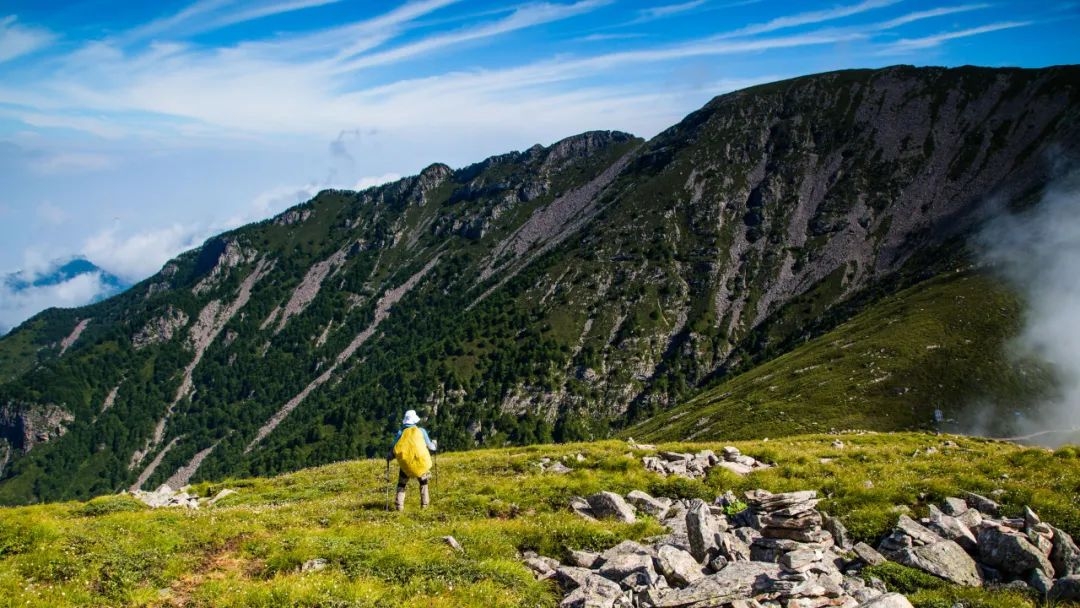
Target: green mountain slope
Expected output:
[248,549]
[939,345]
[551,294]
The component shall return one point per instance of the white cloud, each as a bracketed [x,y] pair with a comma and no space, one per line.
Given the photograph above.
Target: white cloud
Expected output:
[18,40]
[907,45]
[136,256]
[376,180]
[811,17]
[18,305]
[667,10]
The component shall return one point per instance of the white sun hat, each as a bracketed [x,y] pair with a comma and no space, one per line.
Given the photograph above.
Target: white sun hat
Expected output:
[410,417]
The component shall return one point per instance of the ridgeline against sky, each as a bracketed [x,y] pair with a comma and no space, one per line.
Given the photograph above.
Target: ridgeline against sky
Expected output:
[131,132]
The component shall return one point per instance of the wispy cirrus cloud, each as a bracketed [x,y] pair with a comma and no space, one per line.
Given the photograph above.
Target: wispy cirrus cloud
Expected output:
[907,45]
[17,40]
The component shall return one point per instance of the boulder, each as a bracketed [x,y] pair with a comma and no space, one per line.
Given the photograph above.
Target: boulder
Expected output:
[732,547]
[950,528]
[610,504]
[584,559]
[920,535]
[596,592]
[801,559]
[889,600]
[1011,553]
[701,530]
[581,508]
[626,546]
[838,531]
[647,504]
[954,506]
[868,554]
[622,566]
[982,503]
[737,581]
[1066,588]
[571,577]
[944,559]
[1064,556]
[678,566]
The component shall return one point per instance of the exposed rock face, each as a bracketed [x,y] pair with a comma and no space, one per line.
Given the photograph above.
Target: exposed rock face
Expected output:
[160,329]
[25,425]
[221,255]
[66,343]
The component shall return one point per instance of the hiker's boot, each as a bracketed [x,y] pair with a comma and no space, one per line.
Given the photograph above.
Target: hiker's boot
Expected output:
[399,499]
[425,498]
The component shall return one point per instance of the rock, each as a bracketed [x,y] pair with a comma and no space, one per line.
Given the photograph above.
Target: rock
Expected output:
[837,444]
[220,495]
[736,467]
[718,563]
[314,565]
[558,468]
[954,506]
[677,566]
[595,592]
[944,559]
[620,566]
[626,547]
[541,567]
[732,547]
[801,559]
[674,456]
[1064,556]
[1066,588]
[1010,553]
[730,453]
[971,519]
[571,577]
[982,503]
[647,504]
[838,531]
[868,554]
[610,504]
[584,559]
[456,546]
[920,535]
[889,600]
[582,508]
[951,528]
[1031,519]
[1041,582]
[735,582]
[701,530]
[794,502]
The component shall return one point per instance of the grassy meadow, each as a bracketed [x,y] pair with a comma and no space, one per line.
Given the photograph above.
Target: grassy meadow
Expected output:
[249,548]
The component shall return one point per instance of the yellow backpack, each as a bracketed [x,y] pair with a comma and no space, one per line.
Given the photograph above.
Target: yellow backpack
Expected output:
[412,453]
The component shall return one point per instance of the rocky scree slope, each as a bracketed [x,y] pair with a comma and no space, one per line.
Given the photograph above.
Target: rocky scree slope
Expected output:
[537,295]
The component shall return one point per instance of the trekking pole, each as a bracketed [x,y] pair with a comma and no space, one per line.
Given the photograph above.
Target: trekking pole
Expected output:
[387,485]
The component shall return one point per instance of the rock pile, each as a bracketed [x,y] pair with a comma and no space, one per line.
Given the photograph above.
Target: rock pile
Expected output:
[966,542]
[698,465]
[165,496]
[777,553]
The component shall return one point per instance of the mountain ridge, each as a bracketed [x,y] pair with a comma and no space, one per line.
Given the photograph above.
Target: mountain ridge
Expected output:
[537,295]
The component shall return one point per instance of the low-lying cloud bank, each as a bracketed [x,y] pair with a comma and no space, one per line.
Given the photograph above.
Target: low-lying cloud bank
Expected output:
[1037,251]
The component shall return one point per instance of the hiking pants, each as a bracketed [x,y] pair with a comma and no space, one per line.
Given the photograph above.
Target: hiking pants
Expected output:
[399,498]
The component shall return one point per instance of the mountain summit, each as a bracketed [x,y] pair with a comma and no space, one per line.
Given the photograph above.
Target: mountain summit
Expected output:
[554,293]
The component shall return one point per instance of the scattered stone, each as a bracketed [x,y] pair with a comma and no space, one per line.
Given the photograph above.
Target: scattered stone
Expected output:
[542,566]
[696,466]
[889,600]
[455,545]
[222,494]
[595,592]
[838,531]
[610,504]
[1010,553]
[954,506]
[701,528]
[1064,555]
[647,504]
[677,566]
[582,508]
[951,528]
[868,554]
[558,468]
[584,559]
[983,504]
[314,565]
[1066,589]
[640,446]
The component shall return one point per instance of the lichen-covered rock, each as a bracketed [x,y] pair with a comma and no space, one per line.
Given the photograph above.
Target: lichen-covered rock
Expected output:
[611,505]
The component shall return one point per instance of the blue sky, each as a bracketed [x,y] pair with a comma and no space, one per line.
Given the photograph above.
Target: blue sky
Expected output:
[132,131]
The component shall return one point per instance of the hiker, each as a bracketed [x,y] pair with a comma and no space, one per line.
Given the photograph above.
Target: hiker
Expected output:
[412,447]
